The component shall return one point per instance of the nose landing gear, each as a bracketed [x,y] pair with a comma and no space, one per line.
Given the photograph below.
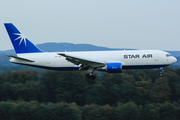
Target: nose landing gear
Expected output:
[161,71]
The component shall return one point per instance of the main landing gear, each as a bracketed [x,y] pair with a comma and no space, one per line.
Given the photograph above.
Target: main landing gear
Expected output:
[90,75]
[161,71]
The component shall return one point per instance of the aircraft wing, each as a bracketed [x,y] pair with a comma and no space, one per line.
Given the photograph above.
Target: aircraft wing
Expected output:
[84,62]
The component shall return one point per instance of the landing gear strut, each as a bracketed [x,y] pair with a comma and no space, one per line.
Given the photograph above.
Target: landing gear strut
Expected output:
[161,71]
[90,75]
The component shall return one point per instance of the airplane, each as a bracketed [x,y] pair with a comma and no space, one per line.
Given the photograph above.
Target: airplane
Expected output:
[109,61]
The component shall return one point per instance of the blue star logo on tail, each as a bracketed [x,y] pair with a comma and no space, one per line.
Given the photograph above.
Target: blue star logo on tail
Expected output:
[20,42]
[21,37]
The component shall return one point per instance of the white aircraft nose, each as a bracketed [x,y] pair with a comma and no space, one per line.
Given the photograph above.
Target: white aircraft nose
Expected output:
[173,60]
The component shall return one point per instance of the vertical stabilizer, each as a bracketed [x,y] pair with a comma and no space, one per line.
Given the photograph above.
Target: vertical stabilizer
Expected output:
[20,42]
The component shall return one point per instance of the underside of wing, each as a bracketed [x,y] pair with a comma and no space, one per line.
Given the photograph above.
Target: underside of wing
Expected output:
[83,62]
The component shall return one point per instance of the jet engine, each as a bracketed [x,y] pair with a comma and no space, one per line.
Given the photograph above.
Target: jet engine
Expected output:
[112,68]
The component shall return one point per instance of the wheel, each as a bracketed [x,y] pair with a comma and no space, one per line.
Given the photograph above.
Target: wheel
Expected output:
[160,74]
[90,76]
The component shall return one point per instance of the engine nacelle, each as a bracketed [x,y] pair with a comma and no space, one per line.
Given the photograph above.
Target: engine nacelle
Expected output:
[112,68]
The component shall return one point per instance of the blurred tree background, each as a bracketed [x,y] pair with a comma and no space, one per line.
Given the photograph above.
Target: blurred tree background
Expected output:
[131,95]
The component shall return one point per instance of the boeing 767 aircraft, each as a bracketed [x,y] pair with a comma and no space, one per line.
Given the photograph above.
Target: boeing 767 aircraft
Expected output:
[108,61]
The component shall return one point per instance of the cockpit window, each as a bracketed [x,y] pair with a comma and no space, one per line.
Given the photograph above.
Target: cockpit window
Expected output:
[167,55]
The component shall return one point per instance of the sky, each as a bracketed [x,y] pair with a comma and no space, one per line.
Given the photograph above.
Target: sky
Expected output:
[136,24]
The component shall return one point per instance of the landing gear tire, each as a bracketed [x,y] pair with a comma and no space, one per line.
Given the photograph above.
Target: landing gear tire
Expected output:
[160,74]
[90,76]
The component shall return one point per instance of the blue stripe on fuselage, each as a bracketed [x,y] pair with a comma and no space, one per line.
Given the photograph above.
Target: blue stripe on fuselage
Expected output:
[77,68]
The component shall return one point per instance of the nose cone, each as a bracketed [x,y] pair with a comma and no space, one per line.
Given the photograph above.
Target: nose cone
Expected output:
[173,60]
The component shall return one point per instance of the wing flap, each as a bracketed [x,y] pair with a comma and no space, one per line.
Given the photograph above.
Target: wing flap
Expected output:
[83,61]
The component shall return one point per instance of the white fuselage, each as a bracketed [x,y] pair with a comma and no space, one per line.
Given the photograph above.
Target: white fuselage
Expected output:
[130,59]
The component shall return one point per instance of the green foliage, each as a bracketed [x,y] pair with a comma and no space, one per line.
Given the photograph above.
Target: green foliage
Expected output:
[120,88]
[167,111]
[160,90]
[174,84]
[144,89]
[96,95]
[63,86]
[150,112]
[96,112]
[21,76]
[131,95]
[36,111]
[130,111]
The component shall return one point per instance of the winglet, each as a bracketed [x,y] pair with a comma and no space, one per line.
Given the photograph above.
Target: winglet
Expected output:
[20,42]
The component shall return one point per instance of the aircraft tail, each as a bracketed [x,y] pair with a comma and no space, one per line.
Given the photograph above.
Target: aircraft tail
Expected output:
[20,42]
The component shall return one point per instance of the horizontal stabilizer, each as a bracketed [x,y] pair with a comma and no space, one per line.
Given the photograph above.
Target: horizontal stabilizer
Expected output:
[20,58]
